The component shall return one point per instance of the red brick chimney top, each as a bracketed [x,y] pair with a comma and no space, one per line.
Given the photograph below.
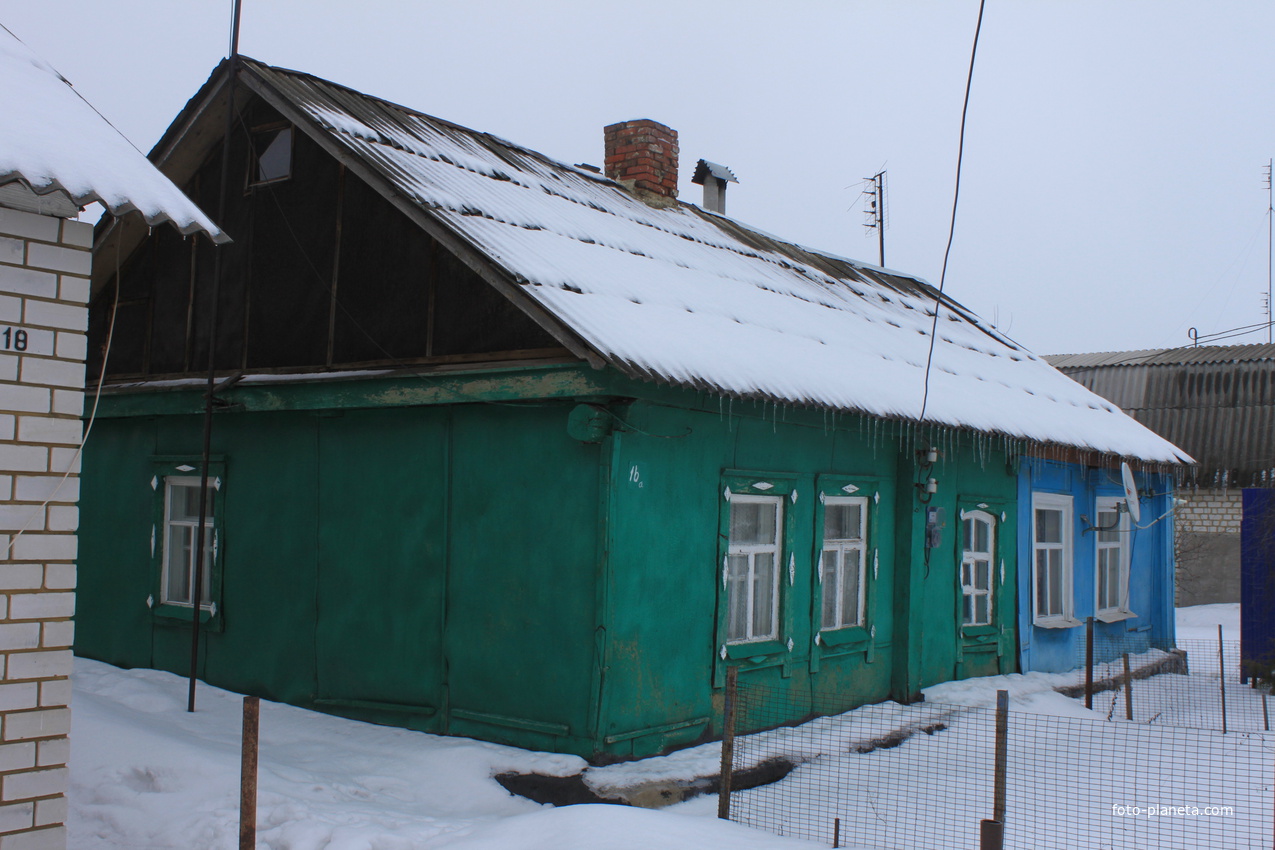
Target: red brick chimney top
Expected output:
[642,154]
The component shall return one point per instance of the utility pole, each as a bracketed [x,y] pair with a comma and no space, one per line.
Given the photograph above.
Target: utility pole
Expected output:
[874,192]
[204,527]
[1270,217]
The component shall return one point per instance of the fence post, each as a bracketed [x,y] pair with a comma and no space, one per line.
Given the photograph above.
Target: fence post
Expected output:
[728,743]
[248,774]
[836,832]
[1128,689]
[1089,662]
[991,833]
[1266,715]
[1221,675]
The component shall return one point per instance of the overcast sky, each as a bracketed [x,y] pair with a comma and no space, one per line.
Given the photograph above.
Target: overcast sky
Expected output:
[1113,194]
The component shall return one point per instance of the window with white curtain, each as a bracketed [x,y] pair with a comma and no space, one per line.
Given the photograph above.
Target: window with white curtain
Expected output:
[753,566]
[842,568]
[1052,555]
[1112,559]
[181,529]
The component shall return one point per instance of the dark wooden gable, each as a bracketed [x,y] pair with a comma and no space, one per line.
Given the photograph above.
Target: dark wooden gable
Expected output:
[324,273]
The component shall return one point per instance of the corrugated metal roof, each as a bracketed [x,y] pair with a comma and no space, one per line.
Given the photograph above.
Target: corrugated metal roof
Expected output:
[53,141]
[1162,356]
[681,296]
[1216,402]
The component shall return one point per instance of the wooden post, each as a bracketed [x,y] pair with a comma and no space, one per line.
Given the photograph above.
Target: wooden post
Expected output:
[728,743]
[836,832]
[1128,689]
[248,774]
[1221,675]
[1266,716]
[1089,662]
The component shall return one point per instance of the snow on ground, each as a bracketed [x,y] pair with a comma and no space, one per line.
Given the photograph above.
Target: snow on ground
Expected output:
[1200,622]
[147,774]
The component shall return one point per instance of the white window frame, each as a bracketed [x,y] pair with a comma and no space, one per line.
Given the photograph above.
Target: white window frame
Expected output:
[834,583]
[751,550]
[1064,618]
[210,542]
[1119,611]
[969,558]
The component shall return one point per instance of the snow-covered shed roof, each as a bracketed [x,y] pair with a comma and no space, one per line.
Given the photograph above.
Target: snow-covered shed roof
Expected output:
[692,298]
[52,140]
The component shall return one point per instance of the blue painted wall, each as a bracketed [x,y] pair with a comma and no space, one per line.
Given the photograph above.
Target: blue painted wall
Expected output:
[1150,566]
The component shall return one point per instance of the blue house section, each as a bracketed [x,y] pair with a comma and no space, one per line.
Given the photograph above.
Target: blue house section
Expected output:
[1063,557]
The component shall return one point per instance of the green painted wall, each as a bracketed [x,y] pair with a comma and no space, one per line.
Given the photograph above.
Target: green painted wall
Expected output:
[396,551]
[384,563]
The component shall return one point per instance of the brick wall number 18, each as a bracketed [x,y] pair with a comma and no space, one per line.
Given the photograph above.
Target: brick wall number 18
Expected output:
[13,339]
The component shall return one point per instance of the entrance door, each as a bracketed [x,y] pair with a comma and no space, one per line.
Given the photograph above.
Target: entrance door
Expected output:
[981,576]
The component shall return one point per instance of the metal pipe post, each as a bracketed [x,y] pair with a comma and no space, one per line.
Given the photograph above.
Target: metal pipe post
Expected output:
[1002,755]
[248,774]
[991,831]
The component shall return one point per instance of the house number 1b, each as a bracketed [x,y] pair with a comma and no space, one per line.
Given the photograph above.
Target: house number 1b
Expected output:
[14,339]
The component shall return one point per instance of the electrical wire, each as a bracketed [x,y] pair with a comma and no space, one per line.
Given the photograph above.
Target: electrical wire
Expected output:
[956,196]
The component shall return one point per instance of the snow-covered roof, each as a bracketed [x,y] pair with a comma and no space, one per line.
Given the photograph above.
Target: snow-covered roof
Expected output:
[52,140]
[693,298]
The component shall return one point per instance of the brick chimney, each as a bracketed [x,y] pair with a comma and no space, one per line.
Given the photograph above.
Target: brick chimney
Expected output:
[642,155]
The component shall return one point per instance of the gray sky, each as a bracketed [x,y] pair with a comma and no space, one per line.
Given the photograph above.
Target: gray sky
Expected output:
[1113,194]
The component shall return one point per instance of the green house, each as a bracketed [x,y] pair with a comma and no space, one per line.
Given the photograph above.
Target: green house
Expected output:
[517,450]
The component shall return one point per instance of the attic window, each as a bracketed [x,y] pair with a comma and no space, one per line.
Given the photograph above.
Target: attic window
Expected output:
[272,153]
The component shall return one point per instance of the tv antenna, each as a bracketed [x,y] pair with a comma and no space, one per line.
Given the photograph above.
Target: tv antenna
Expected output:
[1270,217]
[874,210]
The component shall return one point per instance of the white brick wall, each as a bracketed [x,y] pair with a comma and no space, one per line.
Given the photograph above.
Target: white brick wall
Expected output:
[44,290]
[1210,511]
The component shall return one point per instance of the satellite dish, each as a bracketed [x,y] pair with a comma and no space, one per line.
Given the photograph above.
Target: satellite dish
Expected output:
[1132,505]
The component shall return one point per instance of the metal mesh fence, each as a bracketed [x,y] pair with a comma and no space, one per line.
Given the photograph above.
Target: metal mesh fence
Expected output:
[1197,684]
[894,776]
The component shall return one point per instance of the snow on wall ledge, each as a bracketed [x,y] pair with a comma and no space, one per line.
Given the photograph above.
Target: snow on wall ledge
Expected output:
[697,299]
[52,140]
